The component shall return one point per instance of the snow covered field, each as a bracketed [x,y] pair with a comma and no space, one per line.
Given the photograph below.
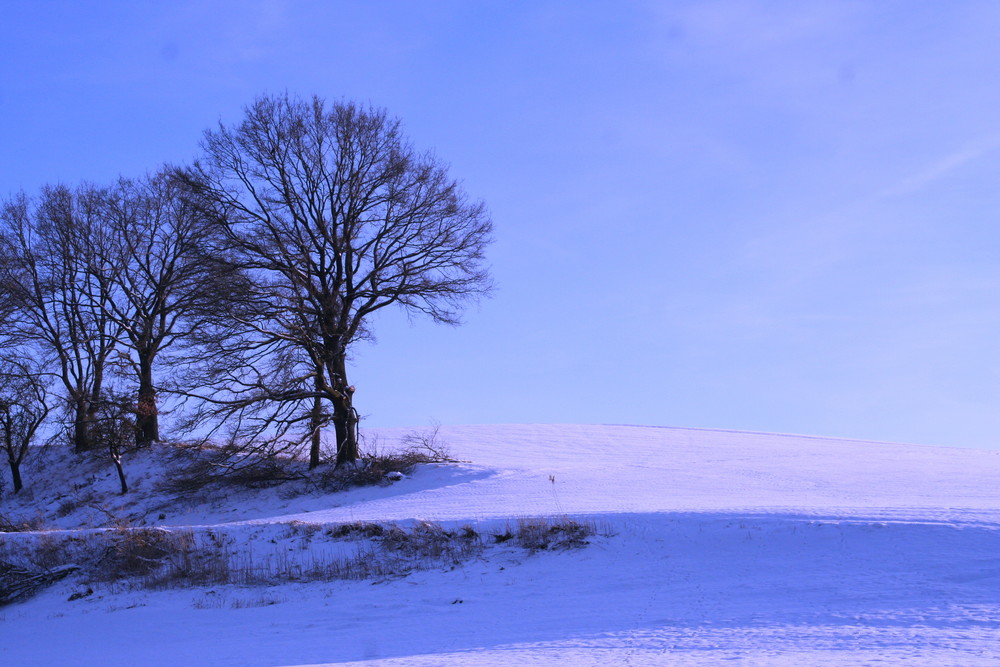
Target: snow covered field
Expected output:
[714,547]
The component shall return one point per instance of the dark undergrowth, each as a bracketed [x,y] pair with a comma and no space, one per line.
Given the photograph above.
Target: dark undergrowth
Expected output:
[160,558]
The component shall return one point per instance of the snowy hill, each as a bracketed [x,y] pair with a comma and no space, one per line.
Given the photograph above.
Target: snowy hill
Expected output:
[712,546]
[613,469]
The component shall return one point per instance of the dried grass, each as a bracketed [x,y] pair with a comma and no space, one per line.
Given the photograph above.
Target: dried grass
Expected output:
[541,534]
[8,525]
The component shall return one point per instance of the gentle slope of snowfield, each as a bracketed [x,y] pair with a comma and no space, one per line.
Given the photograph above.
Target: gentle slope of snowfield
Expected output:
[722,546]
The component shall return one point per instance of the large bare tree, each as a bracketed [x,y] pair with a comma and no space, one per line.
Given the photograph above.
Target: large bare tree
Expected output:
[335,216]
[54,301]
[163,269]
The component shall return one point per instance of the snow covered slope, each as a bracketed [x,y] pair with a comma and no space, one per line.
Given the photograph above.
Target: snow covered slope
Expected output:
[614,469]
[721,546]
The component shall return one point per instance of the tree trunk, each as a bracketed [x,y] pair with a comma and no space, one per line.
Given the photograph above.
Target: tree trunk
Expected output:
[83,419]
[15,473]
[345,423]
[8,445]
[94,406]
[316,424]
[121,472]
[147,426]
[345,417]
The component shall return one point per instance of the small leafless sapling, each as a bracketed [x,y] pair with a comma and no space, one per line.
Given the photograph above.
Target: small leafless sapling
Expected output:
[24,406]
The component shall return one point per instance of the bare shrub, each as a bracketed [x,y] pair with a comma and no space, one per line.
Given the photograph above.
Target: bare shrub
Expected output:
[467,532]
[429,444]
[160,558]
[18,583]
[539,534]
[424,540]
[260,474]
[68,506]
[112,518]
[302,529]
[384,551]
[367,472]
[506,536]
[138,552]
[148,557]
[355,530]
[376,466]
[191,472]
[49,552]
[430,541]
[202,566]
[211,600]
[22,525]
[265,600]
[368,563]
[199,466]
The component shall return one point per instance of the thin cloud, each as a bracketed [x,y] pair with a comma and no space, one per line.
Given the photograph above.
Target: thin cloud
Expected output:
[941,168]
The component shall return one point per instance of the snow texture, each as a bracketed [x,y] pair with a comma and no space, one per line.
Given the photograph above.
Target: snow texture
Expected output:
[716,546]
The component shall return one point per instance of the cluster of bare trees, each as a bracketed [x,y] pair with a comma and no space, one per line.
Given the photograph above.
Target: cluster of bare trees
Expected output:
[234,287]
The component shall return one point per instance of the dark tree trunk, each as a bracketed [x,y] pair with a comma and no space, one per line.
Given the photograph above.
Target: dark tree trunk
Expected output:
[83,420]
[12,459]
[316,424]
[345,417]
[94,405]
[121,472]
[147,427]
[15,473]
[345,423]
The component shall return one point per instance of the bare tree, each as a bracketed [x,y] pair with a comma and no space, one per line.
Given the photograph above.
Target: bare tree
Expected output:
[335,216]
[24,407]
[165,275]
[55,304]
[115,428]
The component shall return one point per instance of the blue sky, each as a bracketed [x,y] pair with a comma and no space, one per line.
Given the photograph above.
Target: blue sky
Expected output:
[777,216]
